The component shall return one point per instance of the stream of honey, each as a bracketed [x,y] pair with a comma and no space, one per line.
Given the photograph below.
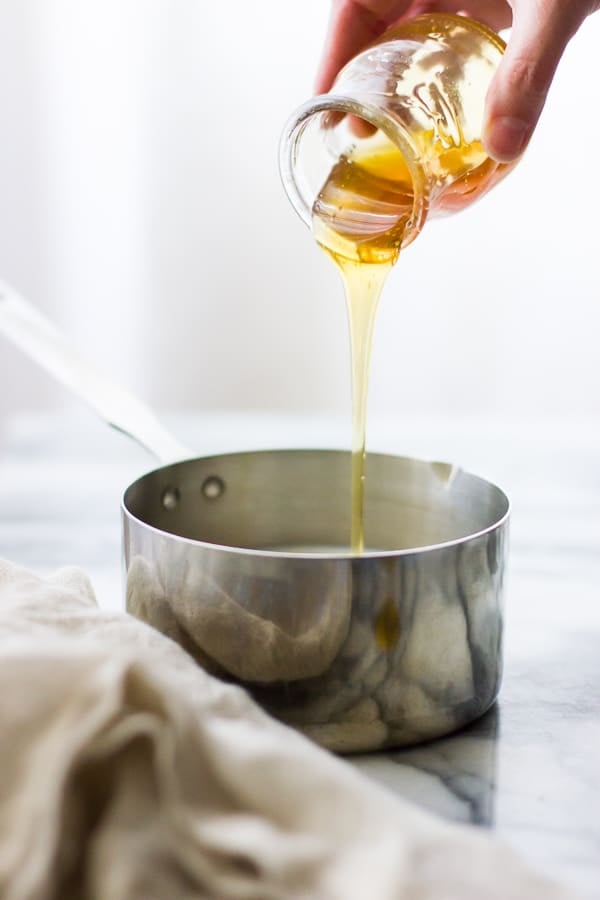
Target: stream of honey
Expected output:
[359,218]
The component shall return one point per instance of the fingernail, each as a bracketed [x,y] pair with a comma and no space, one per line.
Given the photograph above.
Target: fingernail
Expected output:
[506,138]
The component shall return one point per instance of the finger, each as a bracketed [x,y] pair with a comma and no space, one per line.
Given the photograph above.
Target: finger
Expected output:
[540,33]
[354,24]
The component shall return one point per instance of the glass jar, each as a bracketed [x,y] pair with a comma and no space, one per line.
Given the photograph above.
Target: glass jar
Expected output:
[421,86]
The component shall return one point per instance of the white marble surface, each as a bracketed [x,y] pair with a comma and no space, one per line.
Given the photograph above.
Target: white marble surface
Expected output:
[531,768]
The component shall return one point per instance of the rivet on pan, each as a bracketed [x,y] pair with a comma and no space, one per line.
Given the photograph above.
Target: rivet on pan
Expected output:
[170,498]
[213,487]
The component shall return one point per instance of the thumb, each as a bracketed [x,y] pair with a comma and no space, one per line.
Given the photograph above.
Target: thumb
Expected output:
[540,33]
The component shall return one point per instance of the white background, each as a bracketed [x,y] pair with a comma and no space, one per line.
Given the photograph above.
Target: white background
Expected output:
[141,207]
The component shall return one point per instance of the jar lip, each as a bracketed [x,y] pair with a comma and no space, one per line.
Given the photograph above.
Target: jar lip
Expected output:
[330,102]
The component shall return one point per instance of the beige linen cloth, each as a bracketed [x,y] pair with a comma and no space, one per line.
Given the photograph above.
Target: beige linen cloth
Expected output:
[129,773]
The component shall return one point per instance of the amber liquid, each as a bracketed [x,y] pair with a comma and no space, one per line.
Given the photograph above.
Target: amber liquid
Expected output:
[359,219]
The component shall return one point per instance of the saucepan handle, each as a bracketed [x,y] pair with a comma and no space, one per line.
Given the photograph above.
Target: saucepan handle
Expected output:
[26,327]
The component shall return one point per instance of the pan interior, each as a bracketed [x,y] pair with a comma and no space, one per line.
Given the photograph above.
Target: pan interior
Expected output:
[299,501]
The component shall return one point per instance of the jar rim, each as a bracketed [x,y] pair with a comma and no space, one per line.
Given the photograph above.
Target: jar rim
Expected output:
[323,103]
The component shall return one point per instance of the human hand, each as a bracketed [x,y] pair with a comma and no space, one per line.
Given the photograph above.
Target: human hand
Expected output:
[541,29]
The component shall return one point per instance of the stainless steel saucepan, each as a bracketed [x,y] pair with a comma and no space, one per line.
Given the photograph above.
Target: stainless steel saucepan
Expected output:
[243,559]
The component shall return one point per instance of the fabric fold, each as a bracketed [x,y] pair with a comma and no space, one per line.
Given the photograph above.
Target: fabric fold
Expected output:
[127,772]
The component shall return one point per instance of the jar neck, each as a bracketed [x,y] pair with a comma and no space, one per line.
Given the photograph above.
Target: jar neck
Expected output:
[302,198]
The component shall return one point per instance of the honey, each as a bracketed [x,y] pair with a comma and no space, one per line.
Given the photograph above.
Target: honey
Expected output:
[359,219]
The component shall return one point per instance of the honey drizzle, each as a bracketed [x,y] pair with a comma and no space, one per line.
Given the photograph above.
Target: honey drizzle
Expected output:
[359,220]
[363,286]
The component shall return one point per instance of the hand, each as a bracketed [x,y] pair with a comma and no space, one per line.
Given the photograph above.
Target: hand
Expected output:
[541,29]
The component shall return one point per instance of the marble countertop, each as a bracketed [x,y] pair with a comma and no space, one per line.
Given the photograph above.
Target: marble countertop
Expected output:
[530,769]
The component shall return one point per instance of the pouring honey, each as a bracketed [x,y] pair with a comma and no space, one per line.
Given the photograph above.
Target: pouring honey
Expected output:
[359,218]
[421,91]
